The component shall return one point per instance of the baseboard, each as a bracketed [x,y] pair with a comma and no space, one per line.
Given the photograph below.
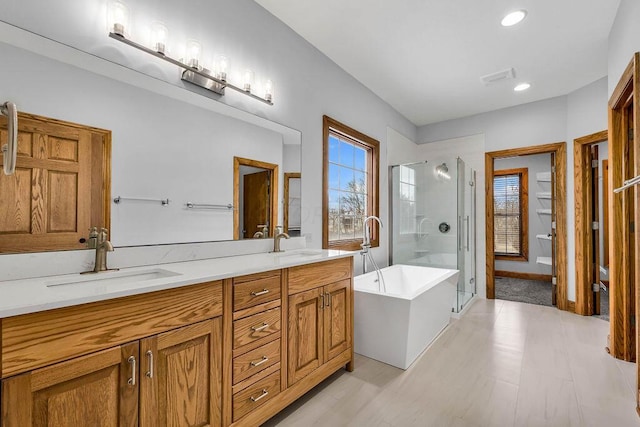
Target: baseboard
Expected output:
[527,276]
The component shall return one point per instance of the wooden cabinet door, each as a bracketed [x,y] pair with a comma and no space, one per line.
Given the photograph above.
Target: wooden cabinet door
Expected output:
[337,318]
[181,376]
[305,346]
[95,390]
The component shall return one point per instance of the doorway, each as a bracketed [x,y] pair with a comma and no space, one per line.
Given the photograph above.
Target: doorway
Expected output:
[558,214]
[591,213]
[255,193]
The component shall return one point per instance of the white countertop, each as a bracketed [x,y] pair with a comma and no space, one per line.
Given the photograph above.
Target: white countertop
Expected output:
[46,293]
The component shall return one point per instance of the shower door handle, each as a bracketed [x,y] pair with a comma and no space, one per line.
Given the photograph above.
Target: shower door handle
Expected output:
[459,233]
[468,228]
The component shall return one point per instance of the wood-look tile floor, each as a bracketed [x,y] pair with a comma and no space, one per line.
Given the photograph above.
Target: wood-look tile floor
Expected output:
[502,364]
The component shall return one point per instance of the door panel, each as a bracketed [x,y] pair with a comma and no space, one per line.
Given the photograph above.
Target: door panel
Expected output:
[256,202]
[92,390]
[337,318]
[181,377]
[305,344]
[554,241]
[595,234]
[52,188]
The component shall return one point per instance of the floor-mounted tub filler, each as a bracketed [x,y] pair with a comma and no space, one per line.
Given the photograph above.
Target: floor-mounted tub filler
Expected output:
[395,326]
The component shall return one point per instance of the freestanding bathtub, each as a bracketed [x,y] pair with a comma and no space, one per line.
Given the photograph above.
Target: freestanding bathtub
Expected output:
[395,326]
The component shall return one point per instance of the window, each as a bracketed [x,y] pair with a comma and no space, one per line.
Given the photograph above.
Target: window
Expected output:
[350,186]
[510,204]
[407,197]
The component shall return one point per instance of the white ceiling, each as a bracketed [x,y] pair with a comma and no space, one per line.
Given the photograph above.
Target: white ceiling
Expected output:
[425,57]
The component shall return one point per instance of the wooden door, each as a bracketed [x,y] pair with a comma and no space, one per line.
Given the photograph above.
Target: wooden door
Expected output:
[49,198]
[256,206]
[337,318]
[595,232]
[305,346]
[180,380]
[554,241]
[95,390]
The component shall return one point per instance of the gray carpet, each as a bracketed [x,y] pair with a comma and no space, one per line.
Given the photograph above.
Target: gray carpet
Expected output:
[538,292]
[521,290]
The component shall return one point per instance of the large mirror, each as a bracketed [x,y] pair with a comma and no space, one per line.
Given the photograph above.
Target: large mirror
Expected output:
[167,143]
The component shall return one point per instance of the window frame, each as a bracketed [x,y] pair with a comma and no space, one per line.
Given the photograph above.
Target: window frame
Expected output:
[523,174]
[372,147]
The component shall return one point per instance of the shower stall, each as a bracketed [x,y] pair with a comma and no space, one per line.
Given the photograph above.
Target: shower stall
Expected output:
[433,211]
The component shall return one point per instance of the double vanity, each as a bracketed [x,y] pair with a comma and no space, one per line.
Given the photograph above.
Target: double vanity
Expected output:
[215,342]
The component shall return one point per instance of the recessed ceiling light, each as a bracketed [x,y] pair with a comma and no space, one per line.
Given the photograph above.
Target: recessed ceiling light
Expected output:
[513,18]
[521,87]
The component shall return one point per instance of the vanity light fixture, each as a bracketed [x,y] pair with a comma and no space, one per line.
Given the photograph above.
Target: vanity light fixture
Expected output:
[513,18]
[118,17]
[522,87]
[193,72]
[159,35]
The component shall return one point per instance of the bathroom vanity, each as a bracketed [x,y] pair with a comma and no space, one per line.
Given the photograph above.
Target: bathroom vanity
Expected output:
[218,342]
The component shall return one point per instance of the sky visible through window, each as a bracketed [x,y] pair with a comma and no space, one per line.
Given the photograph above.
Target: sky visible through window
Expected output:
[347,188]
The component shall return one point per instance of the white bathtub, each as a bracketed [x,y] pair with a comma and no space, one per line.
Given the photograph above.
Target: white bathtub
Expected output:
[440,260]
[396,326]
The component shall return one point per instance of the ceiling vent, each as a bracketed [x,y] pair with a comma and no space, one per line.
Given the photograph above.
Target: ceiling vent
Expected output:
[490,79]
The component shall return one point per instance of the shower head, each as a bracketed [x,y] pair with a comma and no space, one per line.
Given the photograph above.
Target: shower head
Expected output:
[443,171]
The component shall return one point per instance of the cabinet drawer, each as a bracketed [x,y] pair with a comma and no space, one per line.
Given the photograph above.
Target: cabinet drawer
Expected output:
[256,395]
[255,292]
[253,328]
[255,361]
[305,277]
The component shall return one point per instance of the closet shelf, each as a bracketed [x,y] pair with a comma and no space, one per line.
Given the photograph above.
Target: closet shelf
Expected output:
[543,176]
[544,211]
[546,260]
[544,195]
[543,236]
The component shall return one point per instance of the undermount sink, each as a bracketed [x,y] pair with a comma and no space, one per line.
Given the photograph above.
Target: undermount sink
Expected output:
[298,253]
[113,278]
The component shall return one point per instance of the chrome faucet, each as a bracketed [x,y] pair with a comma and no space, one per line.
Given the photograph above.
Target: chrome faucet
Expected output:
[276,239]
[99,242]
[366,231]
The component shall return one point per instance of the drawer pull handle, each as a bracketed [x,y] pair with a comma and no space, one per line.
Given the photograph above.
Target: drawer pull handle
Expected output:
[132,362]
[260,328]
[260,362]
[150,371]
[262,292]
[264,393]
[328,302]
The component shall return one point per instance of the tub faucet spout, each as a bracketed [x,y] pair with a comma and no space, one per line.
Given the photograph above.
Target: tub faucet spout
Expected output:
[366,231]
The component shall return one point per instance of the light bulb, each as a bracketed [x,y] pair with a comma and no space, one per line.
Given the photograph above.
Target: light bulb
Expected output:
[513,18]
[118,17]
[521,87]
[221,67]
[159,35]
[194,50]
[268,92]
[248,80]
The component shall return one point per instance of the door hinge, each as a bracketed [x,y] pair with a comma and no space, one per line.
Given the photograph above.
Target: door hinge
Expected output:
[553,225]
[594,163]
[595,225]
[595,287]
[553,169]
[554,280]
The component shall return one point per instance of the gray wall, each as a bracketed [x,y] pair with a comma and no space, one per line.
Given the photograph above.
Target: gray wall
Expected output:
[538,223]
[308,84]
[624,40]
[563,118]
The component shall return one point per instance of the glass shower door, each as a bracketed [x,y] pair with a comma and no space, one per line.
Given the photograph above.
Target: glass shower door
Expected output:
[466,235]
